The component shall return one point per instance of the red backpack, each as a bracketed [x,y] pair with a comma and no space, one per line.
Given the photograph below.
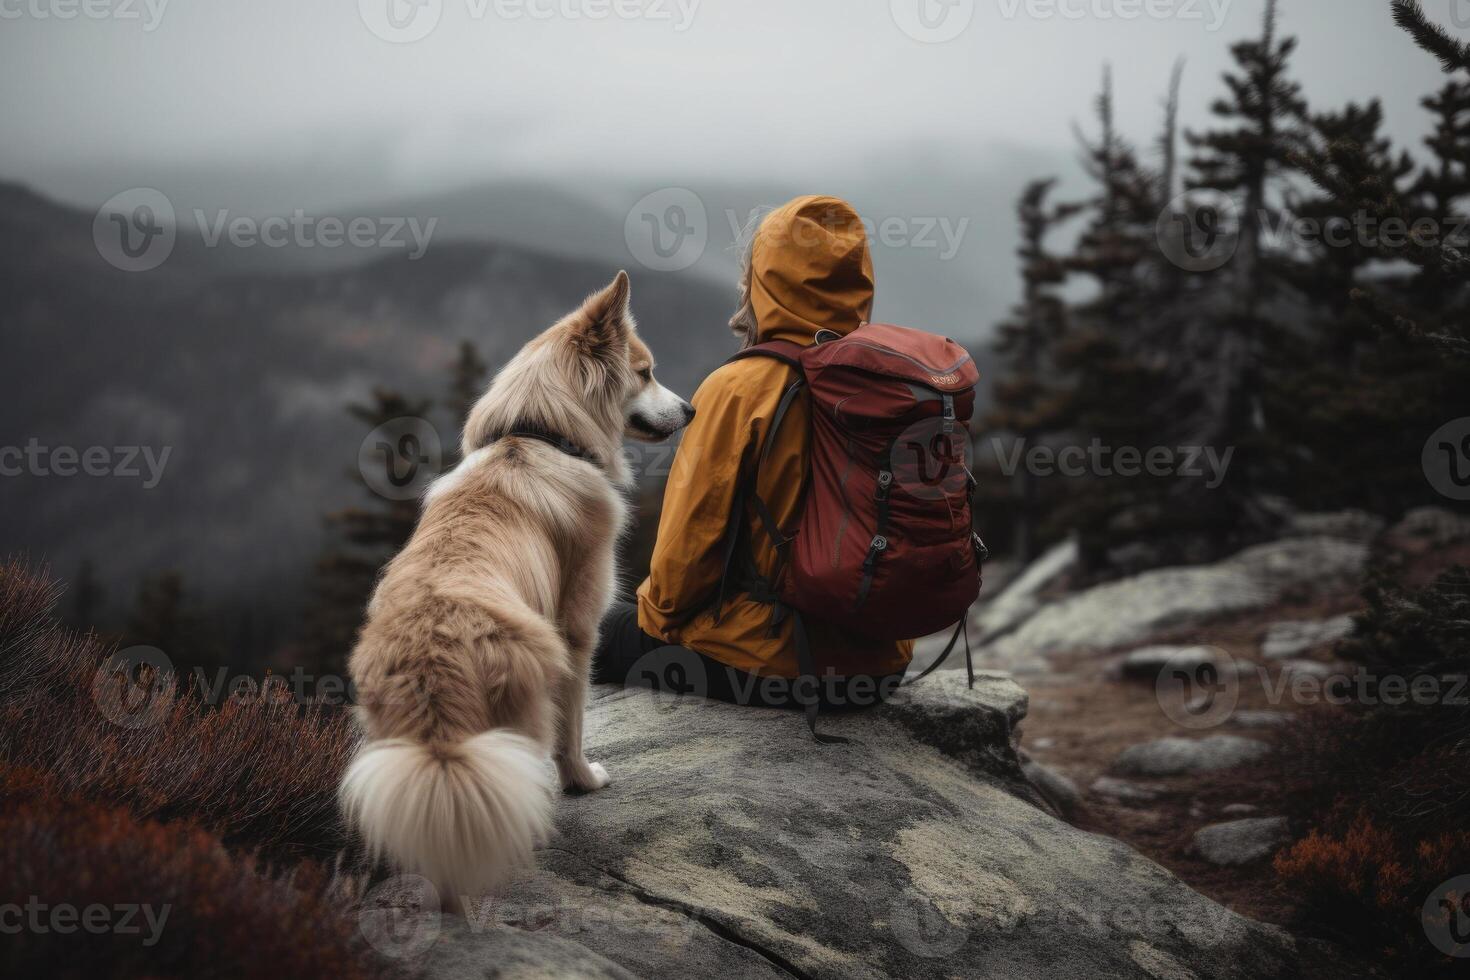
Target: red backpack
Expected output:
[885,542]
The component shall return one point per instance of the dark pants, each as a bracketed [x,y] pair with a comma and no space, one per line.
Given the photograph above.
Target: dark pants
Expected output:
[628,656]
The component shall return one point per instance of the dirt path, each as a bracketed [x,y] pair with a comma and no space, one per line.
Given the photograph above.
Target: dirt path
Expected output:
[1084,715]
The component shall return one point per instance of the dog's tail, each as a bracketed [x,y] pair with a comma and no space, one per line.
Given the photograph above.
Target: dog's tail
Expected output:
[464,814]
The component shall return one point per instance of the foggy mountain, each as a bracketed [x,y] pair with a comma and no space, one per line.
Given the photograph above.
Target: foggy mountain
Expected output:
[241,372]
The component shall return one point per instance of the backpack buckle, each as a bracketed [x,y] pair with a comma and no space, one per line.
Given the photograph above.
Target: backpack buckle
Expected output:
[885,483]
[949,414]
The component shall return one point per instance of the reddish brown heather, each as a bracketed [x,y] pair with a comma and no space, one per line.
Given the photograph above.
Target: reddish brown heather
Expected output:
[226,815]
[261,772]
[213,915]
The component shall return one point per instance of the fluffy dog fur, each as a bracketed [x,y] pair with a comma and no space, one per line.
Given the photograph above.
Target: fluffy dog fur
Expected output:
[472,665]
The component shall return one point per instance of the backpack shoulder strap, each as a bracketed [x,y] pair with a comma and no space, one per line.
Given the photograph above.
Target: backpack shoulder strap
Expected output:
[787,352]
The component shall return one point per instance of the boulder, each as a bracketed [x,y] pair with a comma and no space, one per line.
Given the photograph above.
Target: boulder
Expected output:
[1349,525]
[1241,841]
[1176,756]
[1292,639]
[1145,663]
[1122,791]
[1308,668]
[1010,607]
[731,845]
[1435,527]
[1261,719]
[1131,611]
[1057,789]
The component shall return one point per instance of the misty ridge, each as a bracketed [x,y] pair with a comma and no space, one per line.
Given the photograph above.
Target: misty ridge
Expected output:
[232,364]
[198,420]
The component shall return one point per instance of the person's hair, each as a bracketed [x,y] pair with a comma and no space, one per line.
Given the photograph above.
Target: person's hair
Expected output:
[743,323]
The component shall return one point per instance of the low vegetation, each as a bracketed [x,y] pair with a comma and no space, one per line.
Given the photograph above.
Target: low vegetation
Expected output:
[219,821]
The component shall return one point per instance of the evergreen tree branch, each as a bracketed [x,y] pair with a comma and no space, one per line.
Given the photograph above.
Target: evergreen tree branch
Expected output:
[1453,55]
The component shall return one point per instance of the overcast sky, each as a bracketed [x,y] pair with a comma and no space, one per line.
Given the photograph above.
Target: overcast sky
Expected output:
[304,104]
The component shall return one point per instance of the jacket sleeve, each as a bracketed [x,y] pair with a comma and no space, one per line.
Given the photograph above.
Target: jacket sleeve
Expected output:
[731,415]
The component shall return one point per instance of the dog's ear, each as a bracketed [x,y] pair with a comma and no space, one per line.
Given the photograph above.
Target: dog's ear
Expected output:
[605,320]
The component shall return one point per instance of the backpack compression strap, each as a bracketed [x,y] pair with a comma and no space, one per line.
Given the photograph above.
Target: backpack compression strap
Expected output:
[787,352]
[963,627]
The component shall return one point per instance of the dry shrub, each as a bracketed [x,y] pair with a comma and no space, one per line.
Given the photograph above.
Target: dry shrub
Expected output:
[226,815]
[1385,781]
[1370,883]
[261,772]
[213,914]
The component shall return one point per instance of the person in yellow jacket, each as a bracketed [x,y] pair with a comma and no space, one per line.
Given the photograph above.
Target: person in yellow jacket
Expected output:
[806,269]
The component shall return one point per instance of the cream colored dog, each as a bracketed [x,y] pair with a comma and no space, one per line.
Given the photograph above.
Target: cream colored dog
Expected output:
[472,666]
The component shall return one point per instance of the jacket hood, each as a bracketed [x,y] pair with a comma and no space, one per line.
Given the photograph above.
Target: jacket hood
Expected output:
[810,270]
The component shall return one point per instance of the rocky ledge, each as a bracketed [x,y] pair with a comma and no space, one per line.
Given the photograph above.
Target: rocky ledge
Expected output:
[731,845]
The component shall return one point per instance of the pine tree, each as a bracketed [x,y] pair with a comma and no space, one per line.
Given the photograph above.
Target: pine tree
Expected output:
[1167,145]
[1434,311]
[1260,127]
[467,384]
[1027,402]
[1115,352]
[158,617]
[1341,399]
[87,596]
[361,540]
[1260,124]
[1453,55]
[1121,234]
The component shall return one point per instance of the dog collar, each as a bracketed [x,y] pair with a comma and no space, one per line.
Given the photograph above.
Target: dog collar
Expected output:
[560,442]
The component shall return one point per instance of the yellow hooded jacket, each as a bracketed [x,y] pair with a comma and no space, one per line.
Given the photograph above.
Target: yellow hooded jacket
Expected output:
[810,271]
